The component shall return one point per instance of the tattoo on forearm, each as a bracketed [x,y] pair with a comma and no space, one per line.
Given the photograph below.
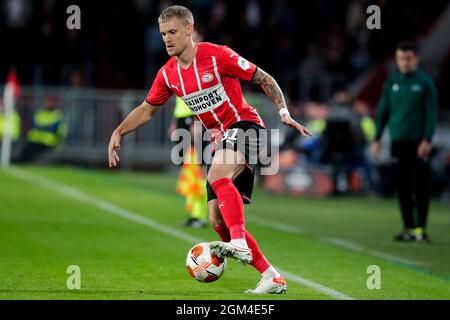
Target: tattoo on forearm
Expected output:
[270,87]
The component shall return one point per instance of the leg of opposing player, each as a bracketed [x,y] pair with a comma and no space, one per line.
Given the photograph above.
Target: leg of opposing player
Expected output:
[272,281]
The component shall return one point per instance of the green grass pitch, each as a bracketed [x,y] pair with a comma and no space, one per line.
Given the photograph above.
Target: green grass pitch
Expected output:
[124,232]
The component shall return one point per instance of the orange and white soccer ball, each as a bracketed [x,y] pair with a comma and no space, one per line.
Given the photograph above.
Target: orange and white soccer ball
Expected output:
[203,265]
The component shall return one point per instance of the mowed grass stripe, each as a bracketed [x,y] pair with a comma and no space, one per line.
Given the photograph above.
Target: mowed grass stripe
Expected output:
[153,195]
[124,213]
[42,232]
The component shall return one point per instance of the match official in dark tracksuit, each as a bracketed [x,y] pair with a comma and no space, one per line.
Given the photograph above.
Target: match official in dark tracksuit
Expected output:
[409,107]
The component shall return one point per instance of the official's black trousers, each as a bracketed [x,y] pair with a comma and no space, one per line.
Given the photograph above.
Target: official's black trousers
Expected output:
[412,177]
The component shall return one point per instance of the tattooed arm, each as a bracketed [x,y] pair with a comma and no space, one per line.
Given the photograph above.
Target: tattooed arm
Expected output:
[273,92]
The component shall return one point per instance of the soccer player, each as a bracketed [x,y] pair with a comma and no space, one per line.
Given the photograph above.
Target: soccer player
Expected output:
[206,76]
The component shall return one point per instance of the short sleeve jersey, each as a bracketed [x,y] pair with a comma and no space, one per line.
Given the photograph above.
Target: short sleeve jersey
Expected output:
[210,86]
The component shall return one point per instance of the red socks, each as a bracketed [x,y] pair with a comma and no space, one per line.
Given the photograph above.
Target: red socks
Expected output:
[223,232]
[231,206]
[232,210]
[259,260]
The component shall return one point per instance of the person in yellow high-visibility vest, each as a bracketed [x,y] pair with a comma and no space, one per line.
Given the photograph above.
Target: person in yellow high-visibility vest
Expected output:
[15,124]
[47,132]
[183,117]
[192,185]
[191,182]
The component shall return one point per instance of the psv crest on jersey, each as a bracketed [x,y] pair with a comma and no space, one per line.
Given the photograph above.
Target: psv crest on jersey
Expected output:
[207,77]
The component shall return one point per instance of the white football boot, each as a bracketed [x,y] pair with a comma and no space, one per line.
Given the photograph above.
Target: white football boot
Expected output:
[227,249]
[269,285]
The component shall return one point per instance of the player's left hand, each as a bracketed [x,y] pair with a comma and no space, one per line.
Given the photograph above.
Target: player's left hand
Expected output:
[287,120]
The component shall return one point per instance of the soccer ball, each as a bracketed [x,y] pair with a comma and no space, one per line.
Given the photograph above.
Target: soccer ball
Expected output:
[203,265]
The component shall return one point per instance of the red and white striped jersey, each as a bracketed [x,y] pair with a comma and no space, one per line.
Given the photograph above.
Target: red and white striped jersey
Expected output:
[209,86]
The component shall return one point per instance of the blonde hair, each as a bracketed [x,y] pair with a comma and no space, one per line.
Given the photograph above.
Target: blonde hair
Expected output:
[179,12]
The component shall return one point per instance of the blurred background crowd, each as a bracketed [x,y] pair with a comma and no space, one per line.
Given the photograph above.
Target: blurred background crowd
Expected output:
[329,64]
[313,48]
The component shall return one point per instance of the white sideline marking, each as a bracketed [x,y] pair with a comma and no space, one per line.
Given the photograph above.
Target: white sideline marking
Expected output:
[313,285]
[356,247]
[124,213]
[335,241]
[104,205]
[276,225]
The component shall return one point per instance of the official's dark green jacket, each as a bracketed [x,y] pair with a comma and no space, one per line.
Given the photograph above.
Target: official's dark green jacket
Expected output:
[409,106]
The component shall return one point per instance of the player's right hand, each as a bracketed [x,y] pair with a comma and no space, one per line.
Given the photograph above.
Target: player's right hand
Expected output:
[113,147]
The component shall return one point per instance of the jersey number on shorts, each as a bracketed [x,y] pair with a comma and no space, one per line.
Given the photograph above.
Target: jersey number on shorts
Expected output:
[230,136]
